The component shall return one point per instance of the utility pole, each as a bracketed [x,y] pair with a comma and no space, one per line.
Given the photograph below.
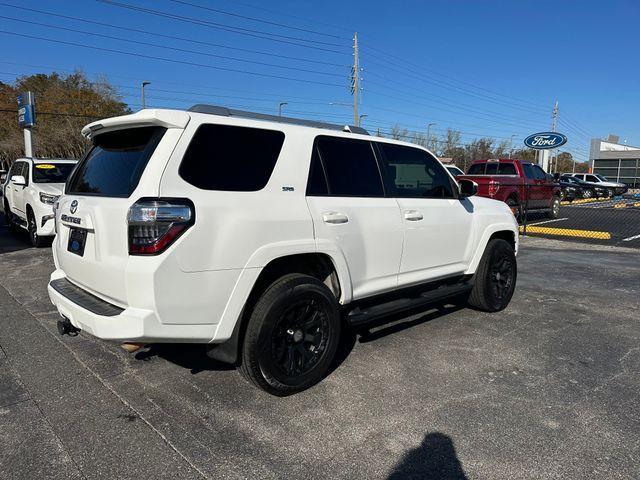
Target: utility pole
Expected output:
[429,134]
[554,117]
[144,84]
[355,79]
[280,105]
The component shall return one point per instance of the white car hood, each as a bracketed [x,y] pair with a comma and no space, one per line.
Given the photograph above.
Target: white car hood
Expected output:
[51,188]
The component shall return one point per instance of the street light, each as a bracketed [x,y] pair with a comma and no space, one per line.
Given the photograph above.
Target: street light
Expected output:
[280,105]
[144,84]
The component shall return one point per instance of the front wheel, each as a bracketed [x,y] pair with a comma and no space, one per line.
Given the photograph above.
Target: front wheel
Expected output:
[292,335]
[495,280]
[35,239]
[554,211]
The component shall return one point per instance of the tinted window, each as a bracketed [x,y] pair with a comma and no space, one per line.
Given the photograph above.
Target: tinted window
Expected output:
[528,170]
[539,173]
[415,173]
[114,165]
[477,169]
[492,169]
[52,172]
[229,158]
[350,166]
[317,184]
[507,169]
[592,178]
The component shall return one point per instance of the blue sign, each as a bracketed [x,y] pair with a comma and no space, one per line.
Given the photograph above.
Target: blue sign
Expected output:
[26,110]
[545,140]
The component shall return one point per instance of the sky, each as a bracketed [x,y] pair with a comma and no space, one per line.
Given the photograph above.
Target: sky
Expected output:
[485,68]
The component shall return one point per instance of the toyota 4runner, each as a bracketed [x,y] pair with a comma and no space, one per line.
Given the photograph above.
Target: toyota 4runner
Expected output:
[31,188]
[266,237]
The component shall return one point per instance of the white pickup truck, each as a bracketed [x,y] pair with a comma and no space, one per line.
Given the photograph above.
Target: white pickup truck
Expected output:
[265,237]
[30,189]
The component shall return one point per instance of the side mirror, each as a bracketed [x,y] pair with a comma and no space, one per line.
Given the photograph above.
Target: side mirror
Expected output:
[18,180]
[468,188]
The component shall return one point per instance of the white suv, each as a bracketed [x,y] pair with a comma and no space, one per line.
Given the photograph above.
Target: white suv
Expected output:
[31,188]
[264,237]
[612,188]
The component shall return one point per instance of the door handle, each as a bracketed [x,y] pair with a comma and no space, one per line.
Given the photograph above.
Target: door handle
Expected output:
[413,215]
[334,218]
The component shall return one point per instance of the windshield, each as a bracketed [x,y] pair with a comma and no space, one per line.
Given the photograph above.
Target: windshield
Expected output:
[52,172]
[604,179]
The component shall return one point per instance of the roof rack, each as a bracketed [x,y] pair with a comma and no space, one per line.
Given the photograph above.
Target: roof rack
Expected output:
[227,112]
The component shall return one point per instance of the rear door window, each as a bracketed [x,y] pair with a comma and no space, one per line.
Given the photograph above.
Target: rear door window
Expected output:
[350,166]
[114,165]
[230,158]
[414,173]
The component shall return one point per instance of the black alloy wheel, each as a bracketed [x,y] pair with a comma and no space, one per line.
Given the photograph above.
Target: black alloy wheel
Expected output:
[299,338]
[495,279]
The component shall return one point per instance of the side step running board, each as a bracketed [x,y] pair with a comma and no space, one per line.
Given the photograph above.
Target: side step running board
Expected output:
[359,316]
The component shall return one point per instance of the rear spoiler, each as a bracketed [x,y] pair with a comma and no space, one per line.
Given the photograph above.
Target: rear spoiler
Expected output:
[150,117]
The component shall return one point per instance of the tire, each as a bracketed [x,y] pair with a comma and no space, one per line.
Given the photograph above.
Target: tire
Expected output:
[588,193]
[292,335]
[495,279]
[35,239]
[8,218]
[611,192]
[515,207]
[554,211]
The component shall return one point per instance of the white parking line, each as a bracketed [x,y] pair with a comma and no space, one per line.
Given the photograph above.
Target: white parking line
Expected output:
[549,221]
[628,239]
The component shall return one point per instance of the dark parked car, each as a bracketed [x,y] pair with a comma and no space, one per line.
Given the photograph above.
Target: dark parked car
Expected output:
[587,189]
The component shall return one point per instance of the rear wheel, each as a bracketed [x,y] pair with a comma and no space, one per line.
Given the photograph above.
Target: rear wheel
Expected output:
[35,239]
[587,193]
[8,217]
[554,211]
[495,279]
[292,335]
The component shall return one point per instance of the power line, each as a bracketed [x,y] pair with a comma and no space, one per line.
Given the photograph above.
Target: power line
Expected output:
[182,62]
[171,37]
[219,26]
[176,49]
[267,22]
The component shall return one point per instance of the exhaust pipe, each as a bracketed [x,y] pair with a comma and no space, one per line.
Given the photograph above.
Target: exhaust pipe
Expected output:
[66,328]
[131,347]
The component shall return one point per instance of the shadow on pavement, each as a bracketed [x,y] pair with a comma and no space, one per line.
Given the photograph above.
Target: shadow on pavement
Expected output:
[435,458]
[12,241]
[190,356]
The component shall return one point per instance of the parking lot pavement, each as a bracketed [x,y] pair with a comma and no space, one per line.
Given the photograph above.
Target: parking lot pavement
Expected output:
[549,388]
[605,222]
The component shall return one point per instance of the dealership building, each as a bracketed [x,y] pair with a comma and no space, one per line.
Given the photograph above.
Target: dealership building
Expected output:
[616,161]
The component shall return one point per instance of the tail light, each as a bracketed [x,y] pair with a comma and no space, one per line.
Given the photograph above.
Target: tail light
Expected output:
[154,224]
[493,188]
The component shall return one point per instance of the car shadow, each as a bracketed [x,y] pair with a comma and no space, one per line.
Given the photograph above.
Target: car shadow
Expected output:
[12,241]
[435,458]
[194,358]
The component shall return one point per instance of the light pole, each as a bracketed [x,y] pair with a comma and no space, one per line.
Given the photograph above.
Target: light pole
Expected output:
[511,145]
[360,119]
[429,134]
[144,84]
[280,105]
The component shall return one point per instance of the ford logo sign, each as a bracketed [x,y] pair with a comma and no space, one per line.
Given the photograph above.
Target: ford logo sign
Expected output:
[545,140]
[74,206]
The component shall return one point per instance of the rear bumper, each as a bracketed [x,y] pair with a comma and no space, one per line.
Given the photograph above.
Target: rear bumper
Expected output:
[115,323]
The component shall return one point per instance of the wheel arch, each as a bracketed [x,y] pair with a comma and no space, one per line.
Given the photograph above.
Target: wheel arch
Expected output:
[504,231]
[253,282]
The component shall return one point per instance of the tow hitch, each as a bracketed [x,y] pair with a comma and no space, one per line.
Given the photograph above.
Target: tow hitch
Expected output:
[65,328]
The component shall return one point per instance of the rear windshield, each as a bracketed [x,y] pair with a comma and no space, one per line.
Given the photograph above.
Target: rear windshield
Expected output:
[114,165]
[52,172]
[492,169]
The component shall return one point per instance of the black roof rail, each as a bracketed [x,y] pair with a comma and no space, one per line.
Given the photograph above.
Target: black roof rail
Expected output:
[228,112]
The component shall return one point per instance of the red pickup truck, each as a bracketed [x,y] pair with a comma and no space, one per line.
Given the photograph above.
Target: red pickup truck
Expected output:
[521,185]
